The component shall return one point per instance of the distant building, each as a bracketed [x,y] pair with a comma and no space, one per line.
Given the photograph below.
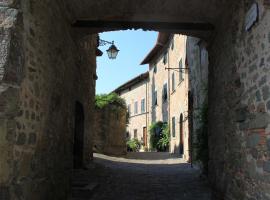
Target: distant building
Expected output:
[169,86]
[136,94]
[168,92]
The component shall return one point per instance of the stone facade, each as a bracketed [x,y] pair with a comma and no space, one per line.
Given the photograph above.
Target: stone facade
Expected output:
[197,62]
[110,130]
[44,69]
[168,89]
[42,76]
[136,95]
[239,105]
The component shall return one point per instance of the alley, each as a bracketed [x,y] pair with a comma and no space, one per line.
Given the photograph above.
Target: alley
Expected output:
[139,176]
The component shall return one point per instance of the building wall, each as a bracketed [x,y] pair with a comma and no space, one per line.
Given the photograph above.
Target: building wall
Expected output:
[197,59]
[179,96]
[137,121]
[157,79]
[239,114]
[110,130]
[41,78]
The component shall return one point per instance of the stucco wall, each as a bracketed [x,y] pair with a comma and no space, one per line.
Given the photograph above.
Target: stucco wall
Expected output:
[42,76]
[179,97]
[239,94]
[137,121]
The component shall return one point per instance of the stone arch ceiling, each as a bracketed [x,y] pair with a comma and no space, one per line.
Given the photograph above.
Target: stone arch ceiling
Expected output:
[168,11]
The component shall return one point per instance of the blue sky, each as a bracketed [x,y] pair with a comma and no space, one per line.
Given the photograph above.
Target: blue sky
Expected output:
[133,46]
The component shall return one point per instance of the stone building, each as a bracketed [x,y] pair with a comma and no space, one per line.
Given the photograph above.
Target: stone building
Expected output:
[48,64]
[135,92]
[168,86]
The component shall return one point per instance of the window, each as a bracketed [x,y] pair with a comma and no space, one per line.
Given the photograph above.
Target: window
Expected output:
[173,82]
[143,106]
[172,45]
[181,71]
[154,98]
[165,56]
[173,126]
[129,109]
[136,108]
[135,133]
[165,93]
[155,68]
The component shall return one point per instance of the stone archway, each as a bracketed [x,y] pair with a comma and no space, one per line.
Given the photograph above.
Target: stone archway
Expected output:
[46,64]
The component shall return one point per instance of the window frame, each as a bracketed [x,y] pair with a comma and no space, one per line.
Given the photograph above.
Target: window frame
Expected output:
[173,127]
[135,107]
[143,106]
[165,95]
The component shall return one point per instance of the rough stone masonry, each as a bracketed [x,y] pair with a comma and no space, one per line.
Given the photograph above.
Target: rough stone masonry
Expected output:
[46,66]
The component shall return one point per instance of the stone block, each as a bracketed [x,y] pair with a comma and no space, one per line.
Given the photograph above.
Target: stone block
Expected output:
[266,92]
[4,193]
[253,140]
[260,120]
[21,139]
[266,166]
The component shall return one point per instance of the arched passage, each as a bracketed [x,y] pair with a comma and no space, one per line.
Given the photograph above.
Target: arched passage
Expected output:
[40,60]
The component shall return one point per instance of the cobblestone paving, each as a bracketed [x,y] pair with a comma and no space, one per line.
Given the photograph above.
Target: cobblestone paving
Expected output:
[146,177]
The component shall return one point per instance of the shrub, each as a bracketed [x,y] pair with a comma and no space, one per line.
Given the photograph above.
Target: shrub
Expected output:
[133,145]
[164,142]
[104,100]
[159,136]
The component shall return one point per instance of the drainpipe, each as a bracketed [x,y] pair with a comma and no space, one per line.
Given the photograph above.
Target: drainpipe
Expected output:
[169,94]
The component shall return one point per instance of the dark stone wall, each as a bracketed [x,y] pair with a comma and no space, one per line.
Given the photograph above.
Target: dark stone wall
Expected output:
[109,135]
[238,98]
[45,67]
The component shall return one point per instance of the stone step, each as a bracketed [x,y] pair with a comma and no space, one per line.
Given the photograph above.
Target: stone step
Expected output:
[81,191]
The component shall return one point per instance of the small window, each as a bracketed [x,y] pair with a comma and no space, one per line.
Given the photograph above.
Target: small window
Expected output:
[165,93]
[135,133]
[172,45]
[154,98]
[136,107]
[143,106]
[165,57]
[181,71]
[173,126]
[173,82]
[129,109]
[155,68]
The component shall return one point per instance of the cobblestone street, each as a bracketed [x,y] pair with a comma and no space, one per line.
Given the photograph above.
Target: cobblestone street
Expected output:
[140,176]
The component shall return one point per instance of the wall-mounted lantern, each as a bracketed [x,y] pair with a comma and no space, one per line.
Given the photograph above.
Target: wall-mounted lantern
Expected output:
[112,51]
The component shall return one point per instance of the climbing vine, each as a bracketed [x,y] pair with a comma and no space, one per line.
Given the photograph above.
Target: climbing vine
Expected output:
[201,144]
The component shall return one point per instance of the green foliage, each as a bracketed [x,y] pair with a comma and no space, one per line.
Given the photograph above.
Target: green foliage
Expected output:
[164,141]
[159,136]
[133,145]
[104,100]
[201,145]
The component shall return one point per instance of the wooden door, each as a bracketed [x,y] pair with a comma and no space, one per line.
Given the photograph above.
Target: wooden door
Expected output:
[145,136]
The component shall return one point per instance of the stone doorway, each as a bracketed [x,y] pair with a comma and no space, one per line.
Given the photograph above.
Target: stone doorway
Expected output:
[78,136]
